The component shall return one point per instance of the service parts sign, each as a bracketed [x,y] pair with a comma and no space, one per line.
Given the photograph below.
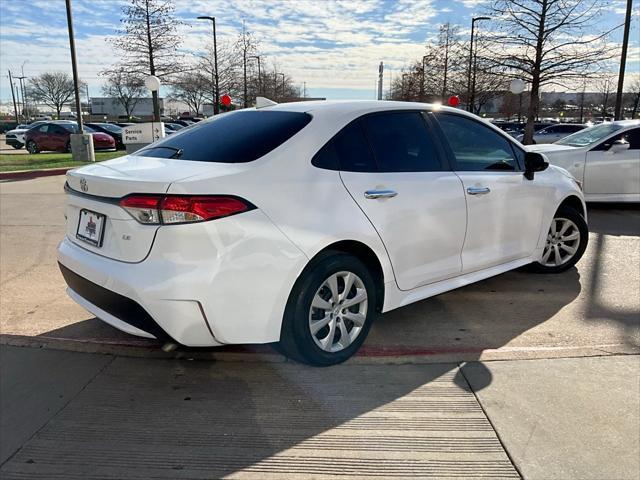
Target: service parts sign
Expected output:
[143,133]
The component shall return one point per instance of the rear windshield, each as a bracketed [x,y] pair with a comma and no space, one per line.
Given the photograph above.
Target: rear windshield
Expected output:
[235,137]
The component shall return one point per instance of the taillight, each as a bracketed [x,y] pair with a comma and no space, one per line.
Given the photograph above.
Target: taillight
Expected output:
[144,208]
[173,209]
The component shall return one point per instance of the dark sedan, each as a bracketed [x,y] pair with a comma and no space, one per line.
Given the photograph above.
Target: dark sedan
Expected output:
[110,129]
[52,136]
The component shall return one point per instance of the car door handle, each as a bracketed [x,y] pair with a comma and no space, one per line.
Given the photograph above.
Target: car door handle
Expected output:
[373,194]
[478,190]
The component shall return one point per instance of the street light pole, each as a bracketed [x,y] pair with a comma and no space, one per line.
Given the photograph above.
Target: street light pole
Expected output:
[74,66]
[470,85]
[283,85]
[623,62]
[216,89]
[257,57]
[422,78]
[13,96]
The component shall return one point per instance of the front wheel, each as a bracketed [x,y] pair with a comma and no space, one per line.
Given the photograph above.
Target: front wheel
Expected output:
[566,242]
[330,311]
[17,146]
[32,147]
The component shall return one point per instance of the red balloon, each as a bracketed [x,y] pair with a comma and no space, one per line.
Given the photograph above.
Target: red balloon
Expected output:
[226,100]
[454,100]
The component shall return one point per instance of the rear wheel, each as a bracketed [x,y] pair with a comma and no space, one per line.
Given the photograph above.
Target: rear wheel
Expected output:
[32,147]
[330,311]
[67,147]
[566,242]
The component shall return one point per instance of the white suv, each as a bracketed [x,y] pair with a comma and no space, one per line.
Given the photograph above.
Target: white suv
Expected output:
[298,223]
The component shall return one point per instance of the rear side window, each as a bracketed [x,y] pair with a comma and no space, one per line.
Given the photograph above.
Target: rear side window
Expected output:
[401,142]
[347,151]
[236,137]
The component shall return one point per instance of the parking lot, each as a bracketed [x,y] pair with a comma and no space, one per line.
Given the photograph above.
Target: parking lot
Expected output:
[452,411]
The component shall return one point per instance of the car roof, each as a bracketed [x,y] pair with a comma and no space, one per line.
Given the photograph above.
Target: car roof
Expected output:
[626,123]
[348,106]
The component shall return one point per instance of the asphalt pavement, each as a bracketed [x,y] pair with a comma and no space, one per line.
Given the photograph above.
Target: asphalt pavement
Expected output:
[592,309]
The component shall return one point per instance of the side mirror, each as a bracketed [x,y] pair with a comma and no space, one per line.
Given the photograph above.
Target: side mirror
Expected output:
[534,162]
[619,146]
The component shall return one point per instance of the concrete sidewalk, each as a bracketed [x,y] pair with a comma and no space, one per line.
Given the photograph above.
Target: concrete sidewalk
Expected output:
[71,416]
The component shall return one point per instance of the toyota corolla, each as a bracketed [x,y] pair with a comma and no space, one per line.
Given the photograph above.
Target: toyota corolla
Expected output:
[297,224]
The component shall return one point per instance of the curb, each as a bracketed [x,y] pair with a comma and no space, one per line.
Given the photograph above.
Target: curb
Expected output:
[29,174]
[372,355]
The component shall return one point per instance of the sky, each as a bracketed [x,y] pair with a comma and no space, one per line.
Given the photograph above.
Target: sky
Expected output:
[334,46]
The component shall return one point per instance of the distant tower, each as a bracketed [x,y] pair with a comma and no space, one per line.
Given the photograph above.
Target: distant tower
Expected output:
[380,72]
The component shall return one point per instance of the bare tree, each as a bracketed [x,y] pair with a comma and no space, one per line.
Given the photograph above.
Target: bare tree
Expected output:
[548,41]
[54,89]
[126,88]
[148,41]
[633,90]
[605,89]
[192,88]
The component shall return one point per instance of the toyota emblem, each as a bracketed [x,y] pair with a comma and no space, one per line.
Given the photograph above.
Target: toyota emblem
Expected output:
[83,185]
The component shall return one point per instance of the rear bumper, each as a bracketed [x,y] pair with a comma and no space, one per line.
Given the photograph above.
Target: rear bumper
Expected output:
[206,284]
[111,306]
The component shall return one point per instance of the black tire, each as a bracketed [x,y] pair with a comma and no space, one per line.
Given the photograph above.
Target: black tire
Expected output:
[17,146]
[578,220]
[296,339]
[32,147]
[67,147]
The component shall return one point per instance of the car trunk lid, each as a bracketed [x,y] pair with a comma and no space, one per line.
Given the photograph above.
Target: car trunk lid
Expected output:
[98,188]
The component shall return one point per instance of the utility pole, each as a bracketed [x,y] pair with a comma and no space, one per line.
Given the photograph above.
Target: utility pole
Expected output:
[623,62]
[380,77]
[15,107]
[20,102]
[214,72]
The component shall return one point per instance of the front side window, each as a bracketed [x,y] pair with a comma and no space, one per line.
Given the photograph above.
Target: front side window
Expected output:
[401,142]
[632,137]
[475,146]
[236,137]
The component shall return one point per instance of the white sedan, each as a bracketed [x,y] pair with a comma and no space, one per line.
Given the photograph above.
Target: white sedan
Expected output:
[604,158]
[554,133]
[298,223]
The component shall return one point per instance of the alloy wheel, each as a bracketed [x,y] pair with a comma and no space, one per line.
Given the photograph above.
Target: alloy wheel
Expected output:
[338,311]
[562,243]
[32,147]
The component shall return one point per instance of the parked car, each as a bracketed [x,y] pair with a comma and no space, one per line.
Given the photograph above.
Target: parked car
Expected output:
[184,123]
[55,136]
[173,126]
[604,158]
[554,133]
[110,129]
[15,137]
[298,223]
